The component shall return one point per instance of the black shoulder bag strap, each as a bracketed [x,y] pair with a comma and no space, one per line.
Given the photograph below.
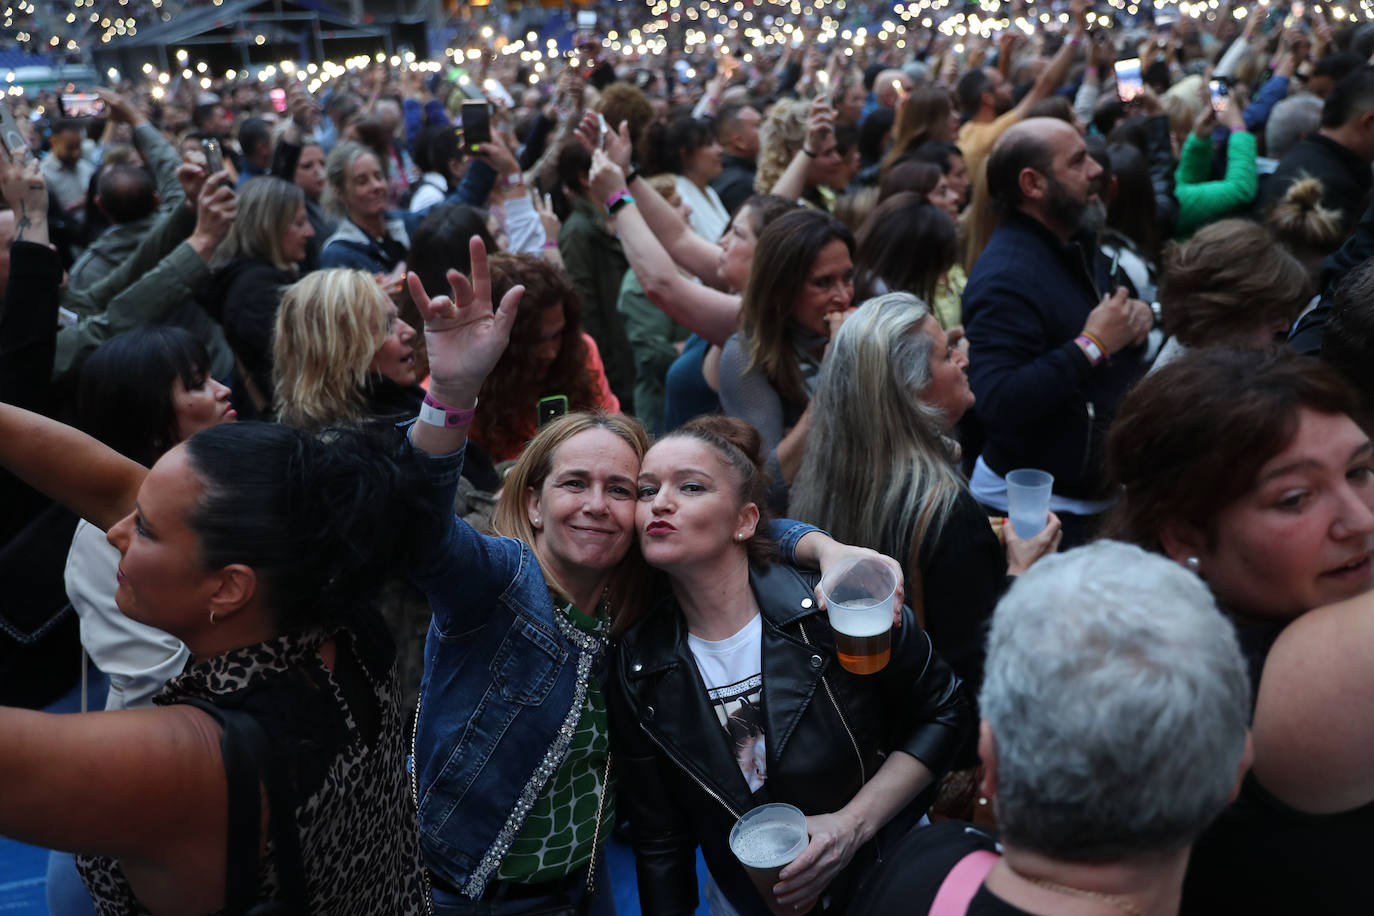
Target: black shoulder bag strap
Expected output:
[247,764]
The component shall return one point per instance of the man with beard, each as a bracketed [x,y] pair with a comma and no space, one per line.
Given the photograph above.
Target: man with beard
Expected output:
[1050,355]
[985,93]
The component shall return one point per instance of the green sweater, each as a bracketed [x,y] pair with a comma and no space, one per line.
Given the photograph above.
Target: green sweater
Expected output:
[1201,201]
[153,286]
[653,338]
[596,264]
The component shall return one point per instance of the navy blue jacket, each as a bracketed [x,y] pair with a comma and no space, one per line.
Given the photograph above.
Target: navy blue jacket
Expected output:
[1040,399]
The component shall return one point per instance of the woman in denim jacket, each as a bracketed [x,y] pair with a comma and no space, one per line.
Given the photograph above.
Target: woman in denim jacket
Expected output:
[511,748]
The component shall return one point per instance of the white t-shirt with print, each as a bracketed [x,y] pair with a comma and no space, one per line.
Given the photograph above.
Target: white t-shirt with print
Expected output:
[732,670]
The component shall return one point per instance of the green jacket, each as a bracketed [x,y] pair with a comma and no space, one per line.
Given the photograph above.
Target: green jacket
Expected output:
[653,337]
[1201,201]
[117,244]
[154,286]
[596,264]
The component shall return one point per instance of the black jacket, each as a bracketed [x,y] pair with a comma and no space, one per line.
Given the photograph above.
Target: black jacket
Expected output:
[735,183]
[828,731]
[1345,177]
[244,296]
[1040,400]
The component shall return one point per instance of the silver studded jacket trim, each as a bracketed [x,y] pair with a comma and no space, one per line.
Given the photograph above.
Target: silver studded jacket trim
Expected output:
[589,648]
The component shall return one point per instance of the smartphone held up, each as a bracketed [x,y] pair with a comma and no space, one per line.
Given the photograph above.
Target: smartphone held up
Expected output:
[1129,82]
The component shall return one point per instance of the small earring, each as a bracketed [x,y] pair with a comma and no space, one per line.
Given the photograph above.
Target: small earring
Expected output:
[212,618]
[1193,563]
[739,536]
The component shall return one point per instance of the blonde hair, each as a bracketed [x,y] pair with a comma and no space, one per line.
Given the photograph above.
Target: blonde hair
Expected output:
[877,470]
[1301,222]
[854,209]
[1183,104]
[665,184]
[330,325]
[336,170]
[781,134]
[267,208]
[627,591]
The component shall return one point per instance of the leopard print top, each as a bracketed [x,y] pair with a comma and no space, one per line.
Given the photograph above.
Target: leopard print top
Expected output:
[358,834]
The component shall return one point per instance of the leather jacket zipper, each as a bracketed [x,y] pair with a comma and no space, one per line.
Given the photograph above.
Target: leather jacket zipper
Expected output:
[863,772]
[686,769]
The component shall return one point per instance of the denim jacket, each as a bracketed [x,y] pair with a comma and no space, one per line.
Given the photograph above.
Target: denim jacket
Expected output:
[504,683]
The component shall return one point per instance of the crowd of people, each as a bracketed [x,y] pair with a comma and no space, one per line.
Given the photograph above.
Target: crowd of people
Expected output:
[432,501]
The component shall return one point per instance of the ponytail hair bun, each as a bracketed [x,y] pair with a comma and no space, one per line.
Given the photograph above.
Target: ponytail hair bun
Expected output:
[1300,221]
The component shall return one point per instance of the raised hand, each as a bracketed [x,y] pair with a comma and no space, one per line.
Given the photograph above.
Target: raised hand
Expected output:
[605,178]
[820,123]
[191,176]
[120,108]
[463,336]
[216,209]
[27,194]
[543,205]
[618,145]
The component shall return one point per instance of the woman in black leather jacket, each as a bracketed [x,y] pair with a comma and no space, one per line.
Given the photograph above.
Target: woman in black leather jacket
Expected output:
[728,694]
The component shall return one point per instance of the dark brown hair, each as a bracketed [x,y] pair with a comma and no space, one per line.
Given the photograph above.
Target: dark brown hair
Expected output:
[1190,439]
[786,250]
[512,391]
[909,175]
[1228,279]
[907,243]
[740,446]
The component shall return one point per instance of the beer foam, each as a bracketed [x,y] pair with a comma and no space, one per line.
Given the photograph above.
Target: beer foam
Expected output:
[769,845]
[860,618]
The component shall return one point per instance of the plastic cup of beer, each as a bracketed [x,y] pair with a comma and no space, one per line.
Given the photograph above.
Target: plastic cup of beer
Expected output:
[858,598]
[1028,500]
[766,840]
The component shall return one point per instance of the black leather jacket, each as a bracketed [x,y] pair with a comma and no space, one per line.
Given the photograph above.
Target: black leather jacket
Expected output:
[828,731]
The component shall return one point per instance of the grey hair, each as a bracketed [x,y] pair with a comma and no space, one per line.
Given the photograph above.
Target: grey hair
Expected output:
[918,71]
[1292,119]
[876,463]
[267,207]
[1119,703]
[336,169]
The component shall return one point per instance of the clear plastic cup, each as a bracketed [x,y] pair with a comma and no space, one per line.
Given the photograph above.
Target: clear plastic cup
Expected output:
[766,840]
[1028,500]
[858,598]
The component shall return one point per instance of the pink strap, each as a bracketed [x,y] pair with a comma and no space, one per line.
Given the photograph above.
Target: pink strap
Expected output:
[957,890]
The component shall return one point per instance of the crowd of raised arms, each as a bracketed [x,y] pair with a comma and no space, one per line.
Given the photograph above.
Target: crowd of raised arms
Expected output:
[450,471]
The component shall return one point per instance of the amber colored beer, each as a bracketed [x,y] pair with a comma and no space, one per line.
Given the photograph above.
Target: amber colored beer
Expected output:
[864,654]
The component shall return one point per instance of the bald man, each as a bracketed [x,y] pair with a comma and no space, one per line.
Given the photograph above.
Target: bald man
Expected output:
[1052,348]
